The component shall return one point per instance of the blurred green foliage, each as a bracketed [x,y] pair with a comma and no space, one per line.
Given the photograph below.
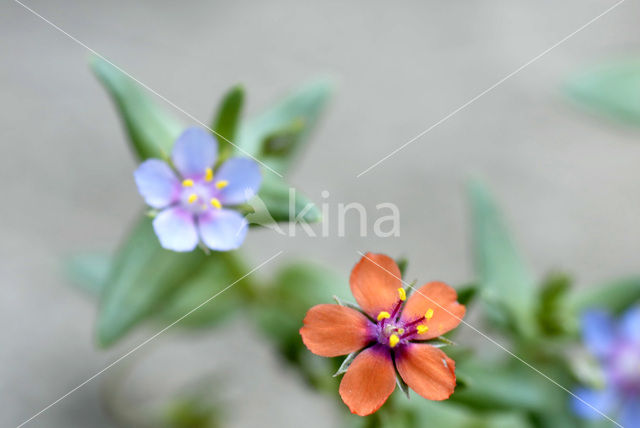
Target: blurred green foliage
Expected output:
[611,89]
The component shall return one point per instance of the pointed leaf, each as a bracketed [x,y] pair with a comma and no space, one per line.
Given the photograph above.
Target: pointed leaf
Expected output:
[611,89]
[403,264]
[552,312]
[402,385]
[279,133]
[278,202]
[345,364]
[90,272]
[227,120]
[151,130]
[467,294]
[142,274]
[505,283]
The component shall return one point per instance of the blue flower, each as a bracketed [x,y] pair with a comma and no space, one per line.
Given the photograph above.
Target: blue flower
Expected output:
[194,200]
[616,345]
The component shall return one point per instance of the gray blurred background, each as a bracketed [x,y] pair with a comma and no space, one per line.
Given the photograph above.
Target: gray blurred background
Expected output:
[568,182]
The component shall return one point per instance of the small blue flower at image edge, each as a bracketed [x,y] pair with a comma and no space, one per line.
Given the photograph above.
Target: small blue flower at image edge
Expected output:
[195,203]
[616,346]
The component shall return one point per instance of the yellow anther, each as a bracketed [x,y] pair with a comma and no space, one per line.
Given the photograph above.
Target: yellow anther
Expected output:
[383,315]
[216,203]
[208,175]
[187,183]
[192,198]
[429,314]
[422,329]
[401,331]
[393,340]
[402,294]
[222,184]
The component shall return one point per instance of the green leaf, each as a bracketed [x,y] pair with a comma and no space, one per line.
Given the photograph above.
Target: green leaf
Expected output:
[611,89]
[492,386]
[402,385]
[467,294]
[90,272]
[615,296]
[227,120]
[552,312]
[345,364]
[143,273]
[403,264]
[506,285]
[279,133]
[151,130]
[277,202]
[217,277]
[282,142]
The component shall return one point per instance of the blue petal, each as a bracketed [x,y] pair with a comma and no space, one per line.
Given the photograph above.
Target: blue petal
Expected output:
[602,400]
[630,413]
[194,151]
[598,332]
[243,177]
[176,229]
[222,230]
[630,325]
[156,182]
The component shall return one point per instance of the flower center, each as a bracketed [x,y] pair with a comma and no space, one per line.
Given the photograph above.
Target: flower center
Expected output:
[200,195]
[625,366]
[392,331]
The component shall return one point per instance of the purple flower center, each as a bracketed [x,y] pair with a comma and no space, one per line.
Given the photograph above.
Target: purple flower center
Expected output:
[392,331]
[199,195]
[624,366]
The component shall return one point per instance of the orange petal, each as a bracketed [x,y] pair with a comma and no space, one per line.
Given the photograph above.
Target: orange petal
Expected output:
[369,381]
[374,283]
[438,299]
[427,370]
[332,330]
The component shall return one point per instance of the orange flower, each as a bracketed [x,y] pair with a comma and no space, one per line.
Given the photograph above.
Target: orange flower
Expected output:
[390,331]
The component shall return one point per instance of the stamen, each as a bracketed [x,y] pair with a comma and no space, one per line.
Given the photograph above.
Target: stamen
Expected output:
[422,329]
[216,203]
[402,294]
[208,175]
[393,340]
[401,331]
[187,183]
[192,198]
[383,315]
[429,314]
[222,184]
[396,309]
